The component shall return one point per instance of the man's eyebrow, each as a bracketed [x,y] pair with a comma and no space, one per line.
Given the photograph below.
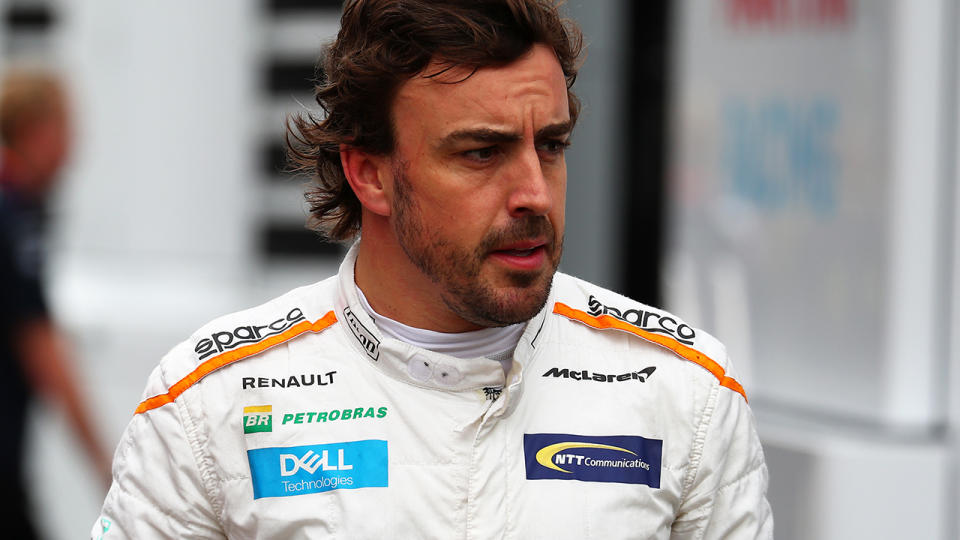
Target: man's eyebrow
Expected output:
[490,135]
[484,135]
[554,130]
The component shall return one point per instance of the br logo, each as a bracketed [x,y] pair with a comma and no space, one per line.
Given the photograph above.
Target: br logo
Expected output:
[258,419]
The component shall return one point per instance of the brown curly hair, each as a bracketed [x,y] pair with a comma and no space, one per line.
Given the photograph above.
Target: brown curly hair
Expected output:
[381,45]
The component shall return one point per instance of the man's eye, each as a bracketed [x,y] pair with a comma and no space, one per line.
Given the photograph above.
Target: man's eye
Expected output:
[481,154]
[554,146]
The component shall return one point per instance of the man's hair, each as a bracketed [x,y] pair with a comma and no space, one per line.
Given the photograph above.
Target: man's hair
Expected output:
[384,43]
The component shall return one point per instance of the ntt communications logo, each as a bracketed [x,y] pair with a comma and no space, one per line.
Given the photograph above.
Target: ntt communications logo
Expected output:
[624,459]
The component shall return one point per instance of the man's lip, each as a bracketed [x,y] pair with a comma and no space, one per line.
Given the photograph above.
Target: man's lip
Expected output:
[521,246]
[522,259]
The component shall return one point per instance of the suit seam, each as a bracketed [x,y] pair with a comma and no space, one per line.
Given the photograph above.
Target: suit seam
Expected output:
[208,477]
[750,472]
[695,456]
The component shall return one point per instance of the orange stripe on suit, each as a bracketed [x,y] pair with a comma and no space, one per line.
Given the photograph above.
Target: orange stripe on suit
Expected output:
[230,357]
[606,321]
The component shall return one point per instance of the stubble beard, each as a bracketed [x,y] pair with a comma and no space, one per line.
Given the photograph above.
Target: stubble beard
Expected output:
[458,270]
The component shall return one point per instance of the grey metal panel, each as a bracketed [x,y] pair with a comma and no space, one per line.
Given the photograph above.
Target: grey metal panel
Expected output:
[593,165]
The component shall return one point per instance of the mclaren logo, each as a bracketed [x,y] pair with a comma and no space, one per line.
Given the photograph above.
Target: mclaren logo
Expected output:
[585,375]
[651,321]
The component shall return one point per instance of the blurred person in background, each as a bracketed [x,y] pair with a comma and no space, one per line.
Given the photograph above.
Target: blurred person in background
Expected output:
[35,133]
[449,382]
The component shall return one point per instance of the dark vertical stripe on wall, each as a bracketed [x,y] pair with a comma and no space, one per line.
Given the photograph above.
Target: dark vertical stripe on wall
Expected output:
[32,17]
[645,154]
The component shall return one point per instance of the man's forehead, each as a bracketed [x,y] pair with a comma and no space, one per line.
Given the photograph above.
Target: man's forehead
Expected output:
[443,71]
[534,78]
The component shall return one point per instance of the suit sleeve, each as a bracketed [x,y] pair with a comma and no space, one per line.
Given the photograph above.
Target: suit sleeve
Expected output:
[158,489]
[725,489]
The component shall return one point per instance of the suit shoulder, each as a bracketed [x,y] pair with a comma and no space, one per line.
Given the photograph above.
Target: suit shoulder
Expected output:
[271,319]
[583,297]
[242,334]
[604,310]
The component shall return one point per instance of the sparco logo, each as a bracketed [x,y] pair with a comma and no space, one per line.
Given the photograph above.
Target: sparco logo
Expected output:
[585,375]
[650,321]
[367,340]
[243,335]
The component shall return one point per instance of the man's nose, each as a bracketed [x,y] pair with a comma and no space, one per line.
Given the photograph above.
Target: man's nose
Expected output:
[530,188]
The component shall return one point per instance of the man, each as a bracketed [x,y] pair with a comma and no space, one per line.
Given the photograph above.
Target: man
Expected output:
[448,383]
[33,358]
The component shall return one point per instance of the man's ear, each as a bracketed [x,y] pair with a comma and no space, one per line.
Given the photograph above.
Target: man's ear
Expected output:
[366,172]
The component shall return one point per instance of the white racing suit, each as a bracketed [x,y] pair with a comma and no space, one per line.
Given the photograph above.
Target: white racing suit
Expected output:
[298,419]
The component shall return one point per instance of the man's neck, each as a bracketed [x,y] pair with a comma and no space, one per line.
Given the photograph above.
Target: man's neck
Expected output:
[494,343]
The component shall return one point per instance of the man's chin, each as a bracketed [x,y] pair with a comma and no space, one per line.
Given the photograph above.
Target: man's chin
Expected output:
[523,281]
[516,302]
[527,308]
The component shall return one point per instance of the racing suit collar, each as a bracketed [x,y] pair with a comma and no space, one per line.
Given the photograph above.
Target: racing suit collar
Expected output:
[425,368]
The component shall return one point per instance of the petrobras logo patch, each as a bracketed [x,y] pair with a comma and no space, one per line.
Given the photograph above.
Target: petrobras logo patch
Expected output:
[624,459]
[299,470]
[258,419]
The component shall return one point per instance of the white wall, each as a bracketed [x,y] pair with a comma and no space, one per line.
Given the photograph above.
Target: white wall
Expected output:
[812,229]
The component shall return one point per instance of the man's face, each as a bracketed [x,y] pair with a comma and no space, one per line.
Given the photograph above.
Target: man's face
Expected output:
[479,184]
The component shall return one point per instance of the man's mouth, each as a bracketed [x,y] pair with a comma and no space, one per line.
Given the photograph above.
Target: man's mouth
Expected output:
[520,252]
[522,256]
[522,248]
